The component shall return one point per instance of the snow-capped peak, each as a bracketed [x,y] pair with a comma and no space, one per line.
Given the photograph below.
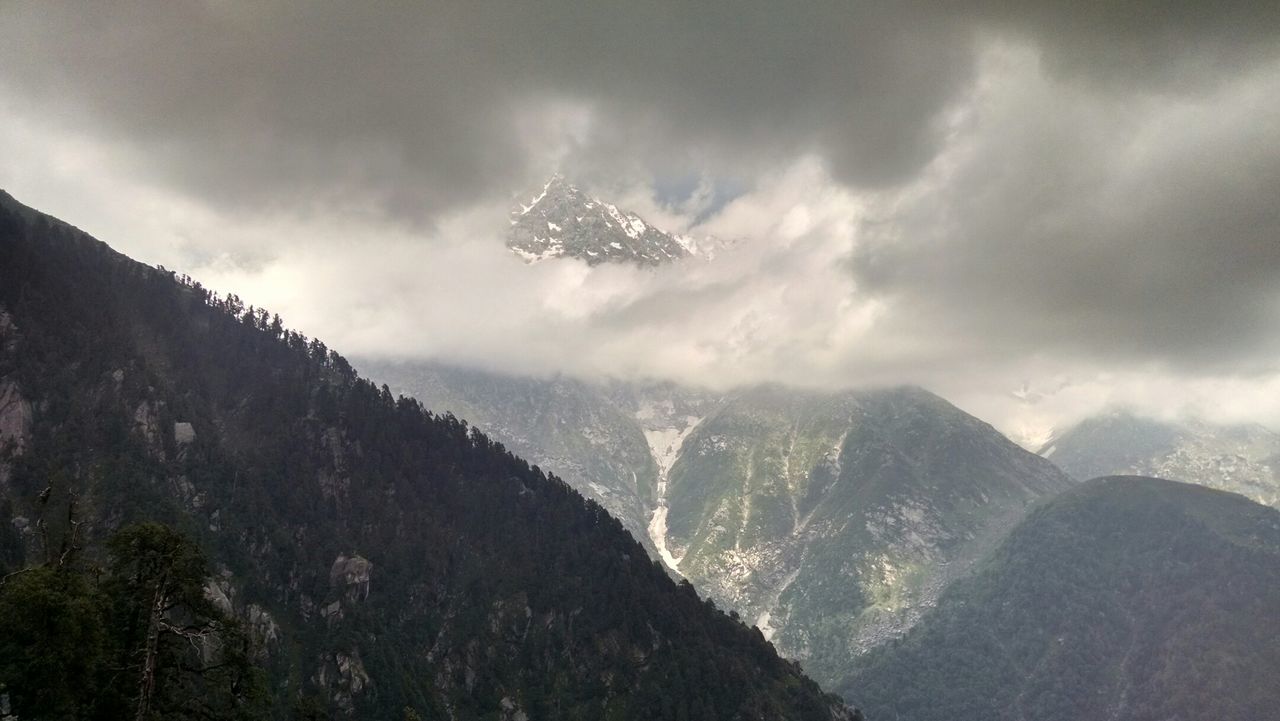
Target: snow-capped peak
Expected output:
[560,220]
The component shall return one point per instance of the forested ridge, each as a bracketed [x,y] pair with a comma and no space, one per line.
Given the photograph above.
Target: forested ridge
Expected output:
[386,561]
[1127,598]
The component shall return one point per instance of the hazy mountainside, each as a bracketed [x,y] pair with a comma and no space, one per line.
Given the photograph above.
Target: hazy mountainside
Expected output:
[563,221]
[384,558]
[1243,459]
[614,443]
[1127,598]
[562,425]
[830,520]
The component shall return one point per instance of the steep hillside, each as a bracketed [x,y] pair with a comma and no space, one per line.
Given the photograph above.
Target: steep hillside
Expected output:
[1128,598]
[1242,459]
[564,426]
[387,560]
[829,520]
[833,520]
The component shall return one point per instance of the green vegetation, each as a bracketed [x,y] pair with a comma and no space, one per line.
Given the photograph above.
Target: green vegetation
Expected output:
[142,641]
[842,514]
[1127,598]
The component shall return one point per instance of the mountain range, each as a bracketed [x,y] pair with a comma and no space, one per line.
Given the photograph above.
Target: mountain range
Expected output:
[386,561]
[487,546]
[829,520]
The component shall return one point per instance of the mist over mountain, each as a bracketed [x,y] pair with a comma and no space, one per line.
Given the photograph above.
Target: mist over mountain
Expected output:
[974,200]
[1243,459]
[1127,598]
[386,561]
[366,541]
[695,358]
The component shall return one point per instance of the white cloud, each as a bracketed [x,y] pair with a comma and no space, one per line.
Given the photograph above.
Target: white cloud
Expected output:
[1019,256]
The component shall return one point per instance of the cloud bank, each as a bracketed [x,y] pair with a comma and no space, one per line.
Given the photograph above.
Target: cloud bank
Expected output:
[1036,211]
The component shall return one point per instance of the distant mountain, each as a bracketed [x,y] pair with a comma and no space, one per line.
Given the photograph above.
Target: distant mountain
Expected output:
[829,520]
[386,562]
[1243,459]
[1128,598]
[832,520]
[562,221]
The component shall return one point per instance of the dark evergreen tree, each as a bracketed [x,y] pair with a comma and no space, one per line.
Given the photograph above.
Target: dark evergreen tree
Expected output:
[141,641]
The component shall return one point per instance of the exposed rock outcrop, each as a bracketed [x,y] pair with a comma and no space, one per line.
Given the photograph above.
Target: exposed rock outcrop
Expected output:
[183,433]
[349,575]
[15,416]
[343,677]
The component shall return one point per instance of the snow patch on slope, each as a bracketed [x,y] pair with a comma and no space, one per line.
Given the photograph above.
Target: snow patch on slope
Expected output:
[665,445]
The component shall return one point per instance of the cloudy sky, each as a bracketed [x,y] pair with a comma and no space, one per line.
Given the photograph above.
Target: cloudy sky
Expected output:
[1037,212]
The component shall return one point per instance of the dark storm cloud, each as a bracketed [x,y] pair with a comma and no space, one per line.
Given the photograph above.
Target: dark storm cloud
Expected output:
[1177,45]
[412,107]
[417,106]
[267,105]
[1112,227]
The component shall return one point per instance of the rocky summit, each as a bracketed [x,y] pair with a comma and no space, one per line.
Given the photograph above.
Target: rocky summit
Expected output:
[562,221]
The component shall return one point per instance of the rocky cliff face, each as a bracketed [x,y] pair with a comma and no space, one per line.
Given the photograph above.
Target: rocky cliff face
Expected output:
[1242,459]
[15,410]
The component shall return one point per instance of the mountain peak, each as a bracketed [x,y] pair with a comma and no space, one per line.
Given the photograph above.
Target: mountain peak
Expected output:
[560,220]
